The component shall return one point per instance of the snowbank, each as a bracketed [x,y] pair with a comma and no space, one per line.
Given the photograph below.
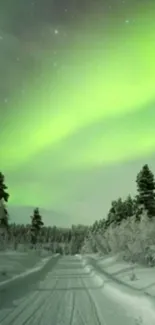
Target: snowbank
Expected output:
[142,306]
[133,275]
[19,264]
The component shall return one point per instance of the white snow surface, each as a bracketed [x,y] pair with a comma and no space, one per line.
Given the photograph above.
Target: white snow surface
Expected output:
[74,293]
[121,270]
[17,265]
[142,307]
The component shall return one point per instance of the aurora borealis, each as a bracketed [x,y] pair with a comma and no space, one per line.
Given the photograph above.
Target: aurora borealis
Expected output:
[77,99]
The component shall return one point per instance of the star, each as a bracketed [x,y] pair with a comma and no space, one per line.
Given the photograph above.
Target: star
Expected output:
[56,31]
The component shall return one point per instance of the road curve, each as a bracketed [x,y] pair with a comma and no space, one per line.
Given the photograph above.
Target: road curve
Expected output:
[66,295]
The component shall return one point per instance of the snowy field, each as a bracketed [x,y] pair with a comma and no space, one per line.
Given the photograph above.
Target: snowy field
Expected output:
[15,263]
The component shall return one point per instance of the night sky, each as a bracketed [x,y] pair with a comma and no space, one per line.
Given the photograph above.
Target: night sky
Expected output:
[77,104]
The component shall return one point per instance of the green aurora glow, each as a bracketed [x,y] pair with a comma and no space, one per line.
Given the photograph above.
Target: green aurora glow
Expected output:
[106,88]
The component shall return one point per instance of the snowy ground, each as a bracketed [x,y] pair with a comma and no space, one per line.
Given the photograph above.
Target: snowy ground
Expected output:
[15,263]
[73,293]
[136,276]
[117,279]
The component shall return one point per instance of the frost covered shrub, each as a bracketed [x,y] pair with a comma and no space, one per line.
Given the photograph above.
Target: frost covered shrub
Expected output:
[113,236]
[135,241]
[103,242]
[89,245]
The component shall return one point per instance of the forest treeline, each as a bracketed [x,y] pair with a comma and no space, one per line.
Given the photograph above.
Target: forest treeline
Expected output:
[128,229]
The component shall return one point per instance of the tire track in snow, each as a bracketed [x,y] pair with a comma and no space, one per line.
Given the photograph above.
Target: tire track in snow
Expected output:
[65,307]
[24,305]
[93,305]
[32,312]
[80,317]
[57,306]
[54,310]
[16,316]
[42,306]
[72,310]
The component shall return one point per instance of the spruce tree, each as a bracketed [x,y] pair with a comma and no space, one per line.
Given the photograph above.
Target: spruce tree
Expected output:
[4,196]
[36,225]
[111,217]
[117,212]
[95,226]
[129,207]
[146,190]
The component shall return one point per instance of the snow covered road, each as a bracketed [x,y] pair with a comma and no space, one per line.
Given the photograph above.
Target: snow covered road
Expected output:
[67,295]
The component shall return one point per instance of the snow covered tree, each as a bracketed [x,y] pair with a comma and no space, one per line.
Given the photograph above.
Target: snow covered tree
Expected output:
[4,196]
[95,226]
[117,212]
[129,207]
[36,225]
[146,190]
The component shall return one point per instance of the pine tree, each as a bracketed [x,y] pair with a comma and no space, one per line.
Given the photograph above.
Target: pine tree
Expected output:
[146,190]
[36,225]
[117,212]
[111,214]
[129,207]
[95,226]
[4,196]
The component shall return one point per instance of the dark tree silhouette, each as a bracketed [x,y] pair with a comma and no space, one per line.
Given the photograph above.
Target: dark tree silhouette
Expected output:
[36,225]
[146,190]
[4,196]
